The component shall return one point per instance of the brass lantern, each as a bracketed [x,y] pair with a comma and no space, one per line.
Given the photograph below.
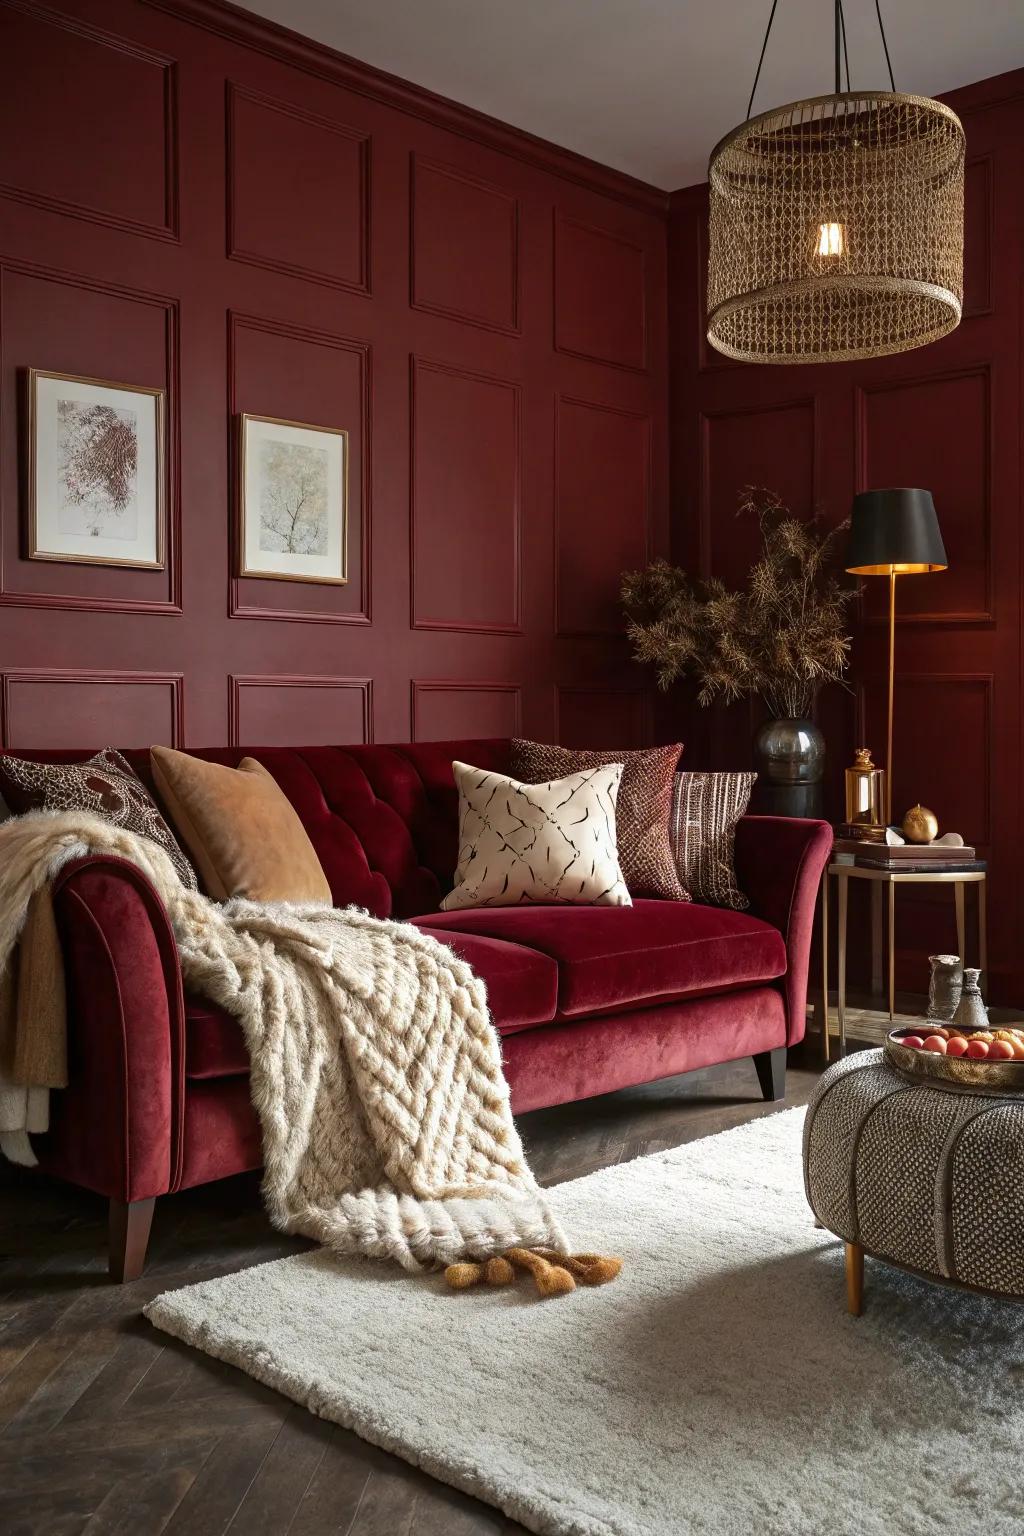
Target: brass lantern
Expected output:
[836,227]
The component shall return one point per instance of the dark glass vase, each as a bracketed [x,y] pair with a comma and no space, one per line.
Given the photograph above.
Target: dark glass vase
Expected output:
[789,756]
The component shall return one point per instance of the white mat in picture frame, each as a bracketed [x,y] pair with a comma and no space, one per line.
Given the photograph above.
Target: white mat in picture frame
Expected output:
[293,500]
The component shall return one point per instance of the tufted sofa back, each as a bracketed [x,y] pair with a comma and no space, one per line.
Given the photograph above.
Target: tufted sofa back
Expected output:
[383,819]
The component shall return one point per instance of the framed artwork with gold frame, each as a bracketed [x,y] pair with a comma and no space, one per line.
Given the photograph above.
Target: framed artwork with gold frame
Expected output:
[292,500]
[96,471]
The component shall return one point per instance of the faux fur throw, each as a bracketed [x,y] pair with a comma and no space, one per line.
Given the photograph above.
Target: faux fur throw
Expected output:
[375,1068]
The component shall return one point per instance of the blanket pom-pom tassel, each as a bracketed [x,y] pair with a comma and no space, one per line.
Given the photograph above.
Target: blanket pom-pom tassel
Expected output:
[553,1273]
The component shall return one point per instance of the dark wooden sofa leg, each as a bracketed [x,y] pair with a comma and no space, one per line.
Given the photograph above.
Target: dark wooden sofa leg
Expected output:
[130,1222]
[771,1073]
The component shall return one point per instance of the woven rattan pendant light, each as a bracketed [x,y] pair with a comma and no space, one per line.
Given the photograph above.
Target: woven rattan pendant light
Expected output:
[836,225]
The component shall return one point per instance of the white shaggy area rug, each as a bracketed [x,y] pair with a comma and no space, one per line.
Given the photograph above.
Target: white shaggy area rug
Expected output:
[717,1386]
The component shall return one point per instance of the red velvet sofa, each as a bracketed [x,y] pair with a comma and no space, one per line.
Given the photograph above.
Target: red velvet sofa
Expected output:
[586,999]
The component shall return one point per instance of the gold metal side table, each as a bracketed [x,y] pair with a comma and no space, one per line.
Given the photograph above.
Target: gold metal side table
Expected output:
[886,880]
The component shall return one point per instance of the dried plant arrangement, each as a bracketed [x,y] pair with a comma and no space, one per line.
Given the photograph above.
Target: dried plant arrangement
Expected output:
[782,638]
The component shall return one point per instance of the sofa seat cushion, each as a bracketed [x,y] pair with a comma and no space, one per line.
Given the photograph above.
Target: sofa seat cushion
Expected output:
[613,958]
[522,990]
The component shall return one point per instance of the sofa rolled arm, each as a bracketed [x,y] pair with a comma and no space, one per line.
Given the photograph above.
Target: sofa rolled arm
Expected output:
[116,1128]
[779,863]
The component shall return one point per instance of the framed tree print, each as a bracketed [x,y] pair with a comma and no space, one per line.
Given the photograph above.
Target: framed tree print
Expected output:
[293,500]
[96,471]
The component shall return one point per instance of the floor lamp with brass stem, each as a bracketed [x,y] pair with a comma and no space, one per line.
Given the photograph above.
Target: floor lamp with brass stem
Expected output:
[893,533]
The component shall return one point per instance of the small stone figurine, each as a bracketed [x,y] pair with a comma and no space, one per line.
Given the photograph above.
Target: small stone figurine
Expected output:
[944,987]
[971,1012]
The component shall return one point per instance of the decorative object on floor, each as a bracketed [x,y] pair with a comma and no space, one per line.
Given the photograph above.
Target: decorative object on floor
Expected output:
[240,828]
[982,1060]
[96,471]
[781,640]
[865,799]
[888,876]
[292,500]
[744,1400]
[705,813]
[528,843]
[920,825]
[642,807]
[894,533]
[104,784]
[971,1012]
[836,225]
[944,987]
[931,1180]
[374,1066]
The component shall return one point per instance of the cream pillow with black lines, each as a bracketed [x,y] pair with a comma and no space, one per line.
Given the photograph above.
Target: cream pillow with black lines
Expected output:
[537,844]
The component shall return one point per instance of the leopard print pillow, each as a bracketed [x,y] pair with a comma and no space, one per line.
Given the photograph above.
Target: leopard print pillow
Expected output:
[106,785]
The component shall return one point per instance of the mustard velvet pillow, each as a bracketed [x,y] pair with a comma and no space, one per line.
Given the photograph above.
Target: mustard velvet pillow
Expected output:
[240,828]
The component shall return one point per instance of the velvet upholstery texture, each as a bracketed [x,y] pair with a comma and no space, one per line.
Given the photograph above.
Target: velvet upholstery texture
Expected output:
[616,957]
[588,1000]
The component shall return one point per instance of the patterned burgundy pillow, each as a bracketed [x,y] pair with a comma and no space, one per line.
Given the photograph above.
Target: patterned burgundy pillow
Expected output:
[641,813]
[106,785]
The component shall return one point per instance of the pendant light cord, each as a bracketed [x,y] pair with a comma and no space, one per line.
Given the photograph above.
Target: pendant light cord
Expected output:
[764,45]
[840,35]
[885,45]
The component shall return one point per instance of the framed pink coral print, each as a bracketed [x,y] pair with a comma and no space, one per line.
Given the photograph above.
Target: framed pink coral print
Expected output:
[96,471]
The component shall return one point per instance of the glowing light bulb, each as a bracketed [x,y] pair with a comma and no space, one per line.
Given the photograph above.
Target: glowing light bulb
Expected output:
[831,239]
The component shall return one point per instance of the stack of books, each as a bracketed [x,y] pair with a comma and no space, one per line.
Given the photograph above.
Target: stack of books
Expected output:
[910,858]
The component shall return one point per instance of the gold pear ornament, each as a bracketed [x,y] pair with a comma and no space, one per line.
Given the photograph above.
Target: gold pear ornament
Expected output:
[920,825]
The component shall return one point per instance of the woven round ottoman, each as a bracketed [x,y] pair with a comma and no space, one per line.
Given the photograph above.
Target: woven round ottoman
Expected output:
[930,1178]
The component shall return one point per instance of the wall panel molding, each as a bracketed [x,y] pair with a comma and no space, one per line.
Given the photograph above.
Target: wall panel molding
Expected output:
[237,95]
[631,519]
[14,507]
[505,315]
[239,685]
[238,607]
[167,227]
[597,338]
[422,690]
[82,680]
[474,539]
[931,434]
[706,420]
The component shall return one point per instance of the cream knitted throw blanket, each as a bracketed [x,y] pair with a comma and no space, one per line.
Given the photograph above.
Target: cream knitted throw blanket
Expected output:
[375,1069]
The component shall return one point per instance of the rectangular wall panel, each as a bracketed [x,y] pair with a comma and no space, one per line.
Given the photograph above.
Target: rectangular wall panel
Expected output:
[299,191]
[296,711]
[603,719]
[935,431]
[770,447]
[87,122]
[50,709]
[602,511]
[465,500]
[64,322]
[320,380]
[464,261]
[446,710]
[600,295]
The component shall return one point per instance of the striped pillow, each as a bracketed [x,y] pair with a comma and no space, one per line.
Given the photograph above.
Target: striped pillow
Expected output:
[705,810]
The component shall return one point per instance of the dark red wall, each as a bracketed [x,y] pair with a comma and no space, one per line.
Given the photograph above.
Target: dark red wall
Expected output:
[947,417]
[190,198]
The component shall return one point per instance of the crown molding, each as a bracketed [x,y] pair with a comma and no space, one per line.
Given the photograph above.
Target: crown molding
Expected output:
[288,47]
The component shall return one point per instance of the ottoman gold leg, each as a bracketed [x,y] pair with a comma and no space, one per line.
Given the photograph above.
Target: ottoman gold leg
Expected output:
[854,1279]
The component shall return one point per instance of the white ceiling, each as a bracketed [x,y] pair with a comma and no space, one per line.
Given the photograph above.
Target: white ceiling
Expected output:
[649,86]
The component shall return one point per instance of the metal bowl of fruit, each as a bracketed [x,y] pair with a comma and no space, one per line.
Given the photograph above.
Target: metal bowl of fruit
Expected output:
[976,1061]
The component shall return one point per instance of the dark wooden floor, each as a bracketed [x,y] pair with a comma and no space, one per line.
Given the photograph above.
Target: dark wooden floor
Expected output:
[108,1426]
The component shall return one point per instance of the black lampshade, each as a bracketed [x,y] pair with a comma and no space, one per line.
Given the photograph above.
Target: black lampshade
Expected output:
[894,531]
